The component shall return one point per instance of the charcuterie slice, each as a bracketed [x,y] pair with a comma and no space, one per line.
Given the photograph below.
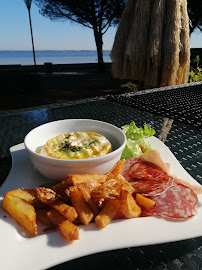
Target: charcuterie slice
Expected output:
[177,202]
[146,177]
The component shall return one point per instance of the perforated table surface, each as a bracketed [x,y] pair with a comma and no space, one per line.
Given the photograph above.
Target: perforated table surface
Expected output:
[182,103]
[184,140]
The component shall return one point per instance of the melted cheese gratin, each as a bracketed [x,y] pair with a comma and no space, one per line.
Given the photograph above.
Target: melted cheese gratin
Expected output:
[76,145]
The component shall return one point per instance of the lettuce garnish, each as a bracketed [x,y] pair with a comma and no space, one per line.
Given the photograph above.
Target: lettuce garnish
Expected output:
[136,144]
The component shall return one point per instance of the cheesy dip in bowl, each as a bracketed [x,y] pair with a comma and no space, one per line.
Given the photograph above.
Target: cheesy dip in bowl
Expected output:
[74,146]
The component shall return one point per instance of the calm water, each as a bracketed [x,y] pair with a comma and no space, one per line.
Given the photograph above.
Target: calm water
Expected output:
[55,57]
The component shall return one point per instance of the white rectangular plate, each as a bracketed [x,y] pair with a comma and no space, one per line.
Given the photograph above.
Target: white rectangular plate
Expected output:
[50,249]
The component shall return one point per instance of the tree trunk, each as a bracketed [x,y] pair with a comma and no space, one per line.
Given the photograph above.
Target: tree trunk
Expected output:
[99,43]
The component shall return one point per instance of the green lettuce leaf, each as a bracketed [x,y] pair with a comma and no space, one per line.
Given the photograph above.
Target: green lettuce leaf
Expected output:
[148,131]
[135,140]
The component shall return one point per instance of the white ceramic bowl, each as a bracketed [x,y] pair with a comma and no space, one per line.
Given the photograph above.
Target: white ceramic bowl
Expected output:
[57,169]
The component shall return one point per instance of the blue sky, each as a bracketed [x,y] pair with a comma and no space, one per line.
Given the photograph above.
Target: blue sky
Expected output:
[48,35]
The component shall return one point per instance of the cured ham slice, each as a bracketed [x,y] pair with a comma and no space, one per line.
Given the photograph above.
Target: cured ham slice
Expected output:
[154,156]
[177,202]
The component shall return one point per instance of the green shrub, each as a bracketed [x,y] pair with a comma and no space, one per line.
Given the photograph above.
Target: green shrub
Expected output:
[195,74]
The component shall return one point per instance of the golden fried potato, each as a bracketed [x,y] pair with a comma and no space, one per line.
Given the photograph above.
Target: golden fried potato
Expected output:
[128,205]
[125,184]
[74,179]
[117,169]
[85,213]
[108,213]
[119,215]
[90,185]
[21,211]
[55,217]
[69,230]
[108,190]
[110,173]
[45,195]
[110,176]
[85,193]
[67,211]
[87,197]
[61,187]
[27,195]
[144,202]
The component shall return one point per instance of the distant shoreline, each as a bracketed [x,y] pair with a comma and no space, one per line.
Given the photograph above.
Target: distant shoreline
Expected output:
[53,51]
[25,57]
[54,56]
[68,50]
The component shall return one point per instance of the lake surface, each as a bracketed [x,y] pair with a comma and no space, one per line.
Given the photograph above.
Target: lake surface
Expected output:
[55,57]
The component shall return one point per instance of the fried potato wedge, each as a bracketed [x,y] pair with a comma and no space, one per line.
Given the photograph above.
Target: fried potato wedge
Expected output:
[87,197]
[45,195]
[69,230]
[85,213]
[144,202]
[74,179]
[128,205]
[28,195]
[111,188]
[117,169]
[125,184]
[55,217]
[21,211]
[66,210]
[108,213]
[61,187]
[90,185]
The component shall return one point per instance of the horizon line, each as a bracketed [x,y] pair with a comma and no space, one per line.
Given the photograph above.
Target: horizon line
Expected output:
[4,50]
[52,50]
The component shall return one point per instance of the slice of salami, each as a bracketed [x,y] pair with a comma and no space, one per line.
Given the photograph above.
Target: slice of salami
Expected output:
[127,166]
[177,202]
[143,169]
[158,191]
[146,177]
[152,187]
[138,168]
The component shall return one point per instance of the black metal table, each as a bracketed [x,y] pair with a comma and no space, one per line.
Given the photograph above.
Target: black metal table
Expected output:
[149,107]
